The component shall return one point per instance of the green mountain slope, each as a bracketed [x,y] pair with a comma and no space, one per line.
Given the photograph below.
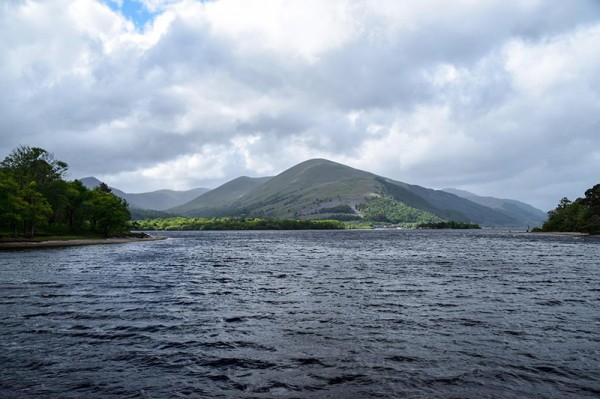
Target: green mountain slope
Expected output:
[320,188]
[452,205]
[216,202]
[517,209]
[305,189]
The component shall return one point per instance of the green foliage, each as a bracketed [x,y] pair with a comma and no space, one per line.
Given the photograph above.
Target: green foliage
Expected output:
[34,195]
[359,225]
[581,215]
[35,164]
[141,214]
[12,204]
[448,225]
[388,210]
[108,213]
[36,211]
[343,217]
[343,208]
[183,223]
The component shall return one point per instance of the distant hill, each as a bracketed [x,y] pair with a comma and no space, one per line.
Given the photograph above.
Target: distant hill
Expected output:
[217,202]
[517,209]
[91,182]
[320,188]
[159,200]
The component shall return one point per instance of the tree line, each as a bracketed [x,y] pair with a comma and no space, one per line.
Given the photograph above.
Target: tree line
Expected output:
[448,225]
[581,215]
[35,196]
[231,223]
[386,209]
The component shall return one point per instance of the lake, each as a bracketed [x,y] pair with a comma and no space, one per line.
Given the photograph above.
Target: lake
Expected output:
[304,314]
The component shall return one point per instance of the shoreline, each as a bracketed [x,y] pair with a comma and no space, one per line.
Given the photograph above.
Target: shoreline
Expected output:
[563,234]
[75,242]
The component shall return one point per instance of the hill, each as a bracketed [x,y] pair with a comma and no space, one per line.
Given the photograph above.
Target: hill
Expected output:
[318,189]
[517,209]
[159,200]
[217,202]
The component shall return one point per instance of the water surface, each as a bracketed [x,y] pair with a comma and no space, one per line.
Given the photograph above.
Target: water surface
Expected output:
[307,314]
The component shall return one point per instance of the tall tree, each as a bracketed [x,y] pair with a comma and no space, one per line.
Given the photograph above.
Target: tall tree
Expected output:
[592,202]
[581,215]
[28,164]
[109,212]
[12,205]
[34,164]
[37,209]
[77,210]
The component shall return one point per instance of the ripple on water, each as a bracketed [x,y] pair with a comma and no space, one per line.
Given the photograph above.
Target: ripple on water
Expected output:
[304,314]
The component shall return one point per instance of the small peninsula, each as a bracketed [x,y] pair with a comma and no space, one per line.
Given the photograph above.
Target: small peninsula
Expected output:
[38,207]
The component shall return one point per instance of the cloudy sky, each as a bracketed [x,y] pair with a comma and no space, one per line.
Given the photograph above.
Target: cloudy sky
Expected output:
[497,97]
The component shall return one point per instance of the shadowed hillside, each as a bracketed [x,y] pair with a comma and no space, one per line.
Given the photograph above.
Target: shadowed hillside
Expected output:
[524,212]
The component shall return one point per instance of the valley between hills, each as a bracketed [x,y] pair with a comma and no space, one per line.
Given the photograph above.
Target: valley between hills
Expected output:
[322,189]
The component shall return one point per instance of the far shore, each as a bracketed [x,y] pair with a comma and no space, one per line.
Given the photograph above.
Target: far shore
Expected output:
[75,242]
[563,234]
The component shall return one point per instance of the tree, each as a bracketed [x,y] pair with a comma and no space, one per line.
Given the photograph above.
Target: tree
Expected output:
[104,187]
[592,202]
[109,213]
[78,209]
[36,211]
[12,205]
[592,197]
[581,215]
[34,164]
[28,164]
[33,192]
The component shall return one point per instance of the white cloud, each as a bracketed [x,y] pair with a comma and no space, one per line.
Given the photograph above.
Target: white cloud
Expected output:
[298,28]
[491,96]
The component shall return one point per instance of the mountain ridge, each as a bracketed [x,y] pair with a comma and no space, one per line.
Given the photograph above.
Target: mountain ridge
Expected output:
[320,188]
[217,199]
[530,214]
[311,188]
[159,200]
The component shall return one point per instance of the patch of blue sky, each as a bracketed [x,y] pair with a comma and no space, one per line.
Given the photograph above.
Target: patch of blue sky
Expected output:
[133,10]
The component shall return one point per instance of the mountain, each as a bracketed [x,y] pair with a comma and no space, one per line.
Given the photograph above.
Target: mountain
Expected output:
[320,188]
[91,182]
[216,202]
[517,209]
[159,200]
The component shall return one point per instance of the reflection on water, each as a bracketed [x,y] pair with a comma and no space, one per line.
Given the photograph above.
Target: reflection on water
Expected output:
[304,314]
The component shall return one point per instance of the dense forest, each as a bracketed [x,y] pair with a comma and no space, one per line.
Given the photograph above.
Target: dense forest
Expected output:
[581,215]
[35,198]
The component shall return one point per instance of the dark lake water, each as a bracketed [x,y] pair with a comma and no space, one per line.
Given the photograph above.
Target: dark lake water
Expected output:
[306,314]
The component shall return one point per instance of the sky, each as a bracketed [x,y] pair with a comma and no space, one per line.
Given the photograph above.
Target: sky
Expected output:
[499,98]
